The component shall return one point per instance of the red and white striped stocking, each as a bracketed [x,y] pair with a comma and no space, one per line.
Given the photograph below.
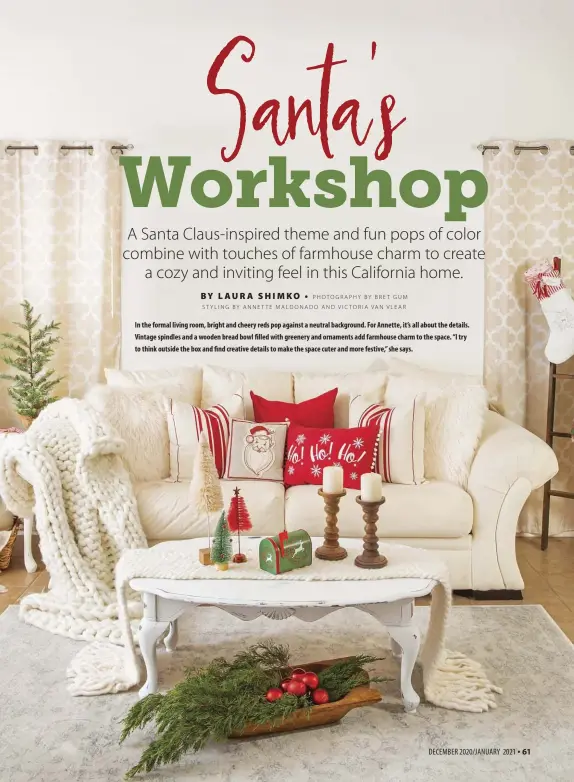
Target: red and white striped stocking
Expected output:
[558,308]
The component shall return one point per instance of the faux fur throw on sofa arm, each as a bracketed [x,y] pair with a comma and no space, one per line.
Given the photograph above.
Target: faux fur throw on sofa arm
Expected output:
[67,470]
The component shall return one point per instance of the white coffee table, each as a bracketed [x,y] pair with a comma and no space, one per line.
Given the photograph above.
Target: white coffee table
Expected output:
[390,601]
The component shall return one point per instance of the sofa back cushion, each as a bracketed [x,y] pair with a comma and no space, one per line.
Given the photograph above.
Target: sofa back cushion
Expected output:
[183,383]
[349,385]
[219,383]
[138,417]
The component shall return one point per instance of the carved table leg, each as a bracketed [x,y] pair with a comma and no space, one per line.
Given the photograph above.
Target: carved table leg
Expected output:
[408,639]
[171,638]
[405,641]
[149,634]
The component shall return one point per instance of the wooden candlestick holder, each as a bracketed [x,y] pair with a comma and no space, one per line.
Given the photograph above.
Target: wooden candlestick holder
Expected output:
[370,558]
[331,549]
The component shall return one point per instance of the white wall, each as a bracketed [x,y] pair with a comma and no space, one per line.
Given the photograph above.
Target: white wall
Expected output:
[462,72]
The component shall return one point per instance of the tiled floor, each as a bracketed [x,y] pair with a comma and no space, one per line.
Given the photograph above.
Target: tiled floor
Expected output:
[548,577]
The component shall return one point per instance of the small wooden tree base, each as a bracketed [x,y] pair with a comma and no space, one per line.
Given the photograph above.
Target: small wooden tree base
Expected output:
[239,558]
[370,558]
[205,556]
[222,565]
[331,550]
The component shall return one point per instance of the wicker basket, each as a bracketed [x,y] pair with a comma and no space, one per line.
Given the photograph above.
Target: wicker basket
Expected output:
[6,553]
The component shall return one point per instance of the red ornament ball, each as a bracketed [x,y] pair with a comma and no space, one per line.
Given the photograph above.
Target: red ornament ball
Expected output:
[298,673]
[311,680]
[285,684]
[320,696]
[273,694]
[296,687]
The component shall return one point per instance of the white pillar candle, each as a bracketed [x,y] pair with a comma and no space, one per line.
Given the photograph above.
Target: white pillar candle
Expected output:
[371,487]
[333,480]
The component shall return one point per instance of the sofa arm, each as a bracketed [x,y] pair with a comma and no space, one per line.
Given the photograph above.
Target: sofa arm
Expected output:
[506,452]
[509,464]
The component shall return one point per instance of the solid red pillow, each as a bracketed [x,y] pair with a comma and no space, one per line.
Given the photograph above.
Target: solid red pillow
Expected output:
[319,411]
[310,450]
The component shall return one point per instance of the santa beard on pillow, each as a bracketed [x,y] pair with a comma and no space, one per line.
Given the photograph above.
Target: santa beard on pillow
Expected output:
[259,455]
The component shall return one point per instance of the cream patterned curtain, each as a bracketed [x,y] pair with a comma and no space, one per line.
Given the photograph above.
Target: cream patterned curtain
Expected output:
[60,234]
[529,218]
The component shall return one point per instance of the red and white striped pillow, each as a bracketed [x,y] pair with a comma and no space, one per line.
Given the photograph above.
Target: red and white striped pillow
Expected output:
[186,422]
[402,437]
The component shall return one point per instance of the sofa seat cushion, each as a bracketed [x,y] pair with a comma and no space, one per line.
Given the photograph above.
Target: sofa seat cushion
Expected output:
[433,509]
[166,514]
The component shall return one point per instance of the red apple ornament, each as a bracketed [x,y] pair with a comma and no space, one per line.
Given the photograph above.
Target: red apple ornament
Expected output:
[320,696]
[311,680]
[285,684]
[298,673]
[296,687]
[273,694]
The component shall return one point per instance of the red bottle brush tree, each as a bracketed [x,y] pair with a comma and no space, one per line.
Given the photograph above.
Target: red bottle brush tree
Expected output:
[239,521]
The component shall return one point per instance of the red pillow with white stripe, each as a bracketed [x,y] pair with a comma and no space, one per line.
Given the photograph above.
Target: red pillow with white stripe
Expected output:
[402,437]
[186,422]
[310,450]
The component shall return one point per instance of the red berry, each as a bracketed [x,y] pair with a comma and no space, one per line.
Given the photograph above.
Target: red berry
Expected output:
[320,696]
[311,680]
[284,684]
[297,673]
[274,694]
[296,687]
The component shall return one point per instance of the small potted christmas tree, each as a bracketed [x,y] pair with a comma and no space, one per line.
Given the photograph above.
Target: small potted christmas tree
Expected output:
[29,354]
[221,548]
[239,521]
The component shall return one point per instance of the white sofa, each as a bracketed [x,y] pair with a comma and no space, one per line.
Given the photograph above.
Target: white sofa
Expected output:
[474,530]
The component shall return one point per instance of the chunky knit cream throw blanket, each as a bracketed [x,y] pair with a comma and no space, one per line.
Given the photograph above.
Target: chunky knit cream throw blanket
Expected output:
[66,469]
[451,679]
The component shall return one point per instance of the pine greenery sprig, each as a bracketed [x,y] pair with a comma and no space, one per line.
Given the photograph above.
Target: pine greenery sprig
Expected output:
[211,703]
[223,698]
[29,354]
[338,679]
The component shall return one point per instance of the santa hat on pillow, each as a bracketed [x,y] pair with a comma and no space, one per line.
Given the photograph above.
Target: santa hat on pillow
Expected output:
[257,430]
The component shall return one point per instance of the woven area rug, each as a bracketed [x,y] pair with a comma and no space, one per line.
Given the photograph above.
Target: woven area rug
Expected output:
[48,736]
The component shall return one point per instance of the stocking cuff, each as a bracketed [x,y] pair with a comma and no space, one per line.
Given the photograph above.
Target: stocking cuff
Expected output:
[544,280]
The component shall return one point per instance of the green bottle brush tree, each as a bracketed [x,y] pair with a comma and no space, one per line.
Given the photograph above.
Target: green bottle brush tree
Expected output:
[29,353]
[221,546]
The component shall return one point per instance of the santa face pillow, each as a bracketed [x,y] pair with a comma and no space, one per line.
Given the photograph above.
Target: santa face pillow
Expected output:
[256,451]
[310,450]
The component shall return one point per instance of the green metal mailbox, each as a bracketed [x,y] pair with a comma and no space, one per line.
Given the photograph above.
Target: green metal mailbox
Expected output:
[285,552]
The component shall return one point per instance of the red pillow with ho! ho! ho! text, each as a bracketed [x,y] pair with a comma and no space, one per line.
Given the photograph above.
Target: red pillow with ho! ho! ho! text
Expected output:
[318,411]
[310,450]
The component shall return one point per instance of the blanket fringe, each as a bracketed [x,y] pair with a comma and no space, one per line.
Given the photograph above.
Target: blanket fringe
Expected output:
[459,683]
[102,668]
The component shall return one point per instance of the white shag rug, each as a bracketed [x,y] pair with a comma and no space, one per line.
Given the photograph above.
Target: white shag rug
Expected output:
[48,736]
